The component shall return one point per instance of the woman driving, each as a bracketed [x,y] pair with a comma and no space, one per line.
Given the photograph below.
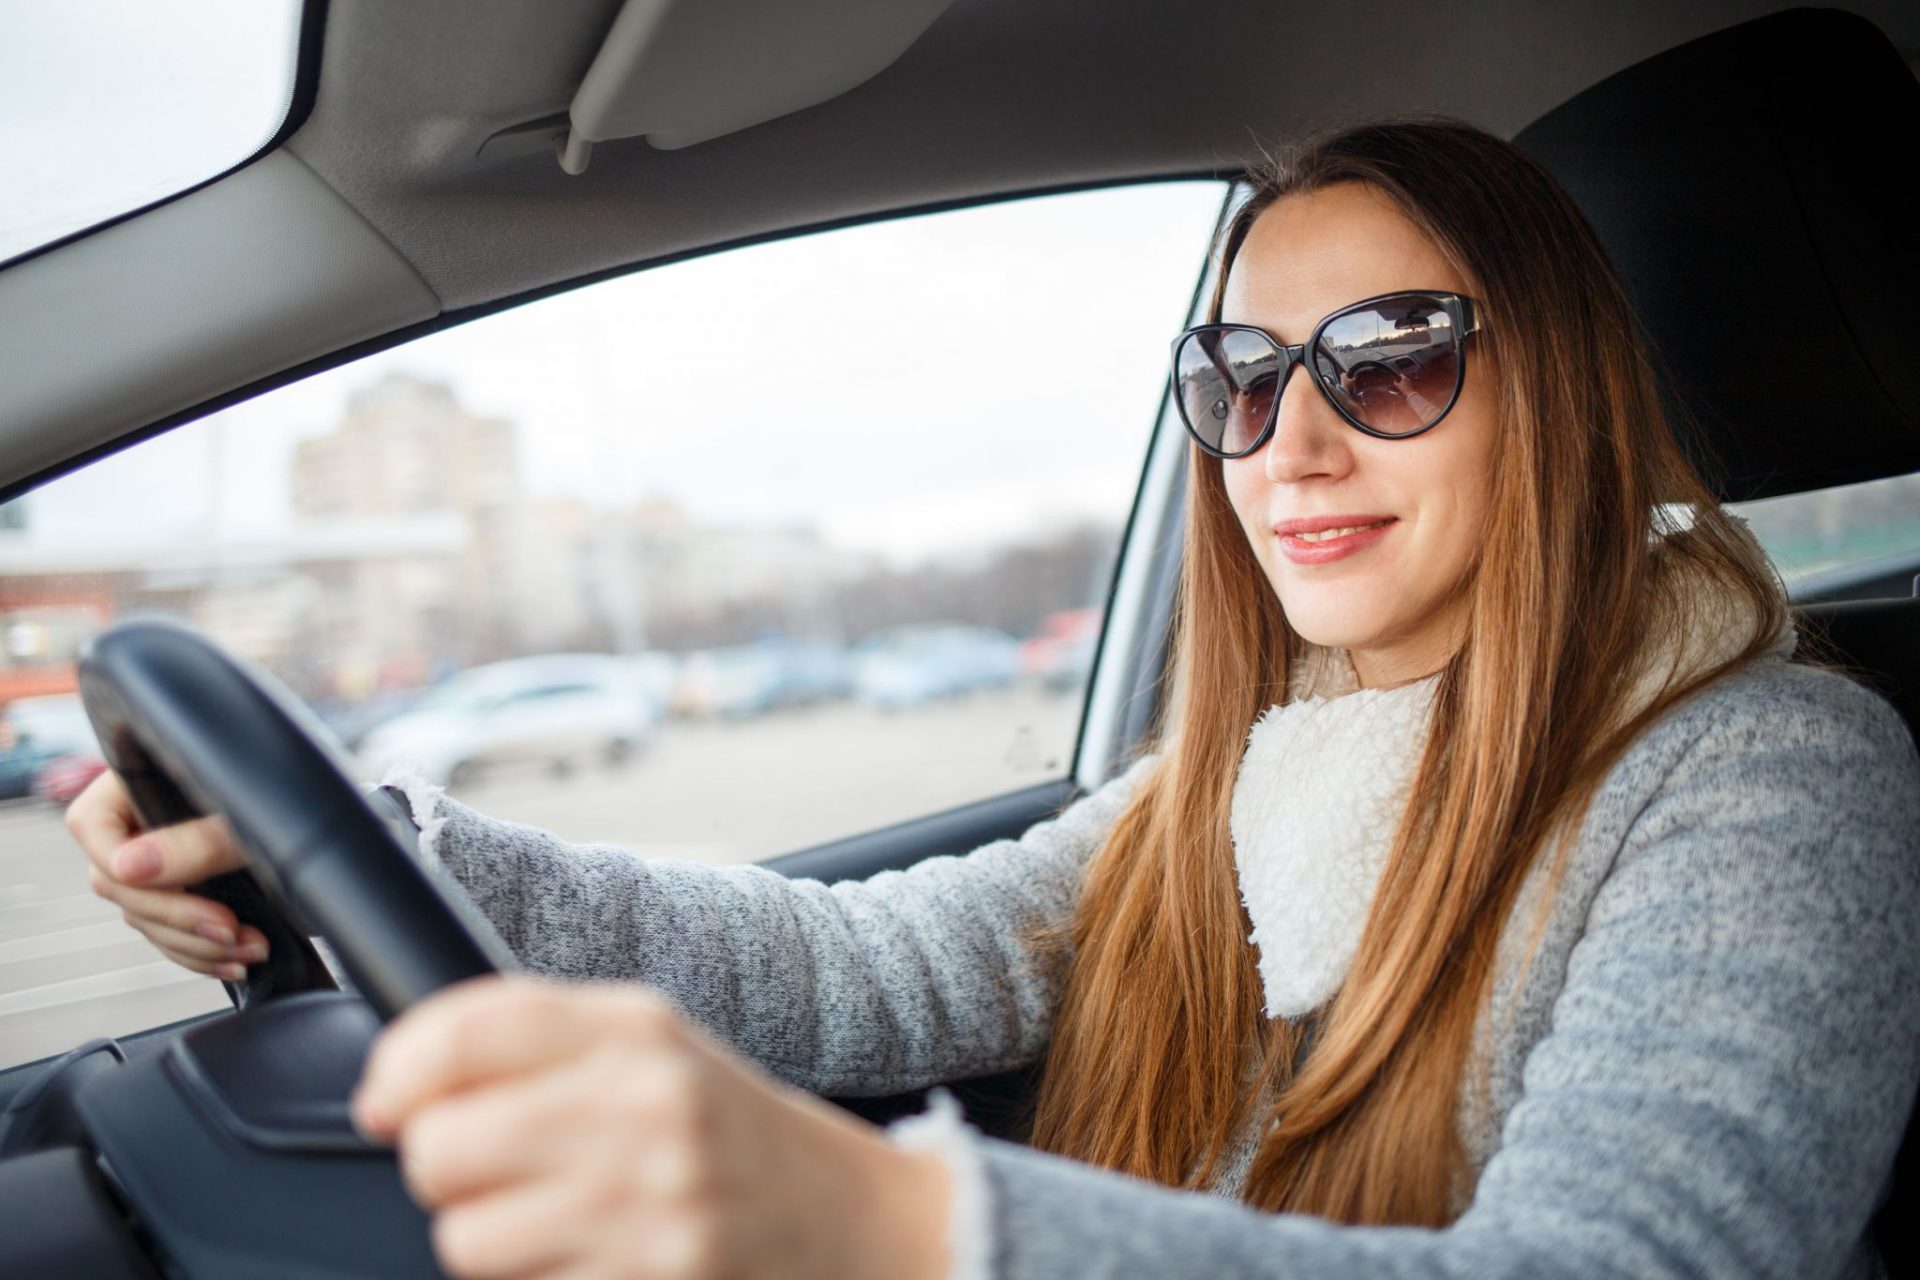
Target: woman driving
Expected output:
[1496,897]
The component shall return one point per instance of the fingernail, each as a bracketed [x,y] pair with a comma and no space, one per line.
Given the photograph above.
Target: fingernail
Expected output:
[366,1117]
[251,952]
[138,860]
[232,972]
[214,932]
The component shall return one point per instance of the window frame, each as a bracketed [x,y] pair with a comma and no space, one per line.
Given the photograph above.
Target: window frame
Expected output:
[1122,692]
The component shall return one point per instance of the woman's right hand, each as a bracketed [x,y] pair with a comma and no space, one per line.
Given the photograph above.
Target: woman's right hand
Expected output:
[144,873]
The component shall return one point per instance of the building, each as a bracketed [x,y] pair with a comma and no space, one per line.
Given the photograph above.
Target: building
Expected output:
[407,450]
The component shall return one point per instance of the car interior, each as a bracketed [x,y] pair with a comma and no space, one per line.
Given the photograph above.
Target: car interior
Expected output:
[444,161]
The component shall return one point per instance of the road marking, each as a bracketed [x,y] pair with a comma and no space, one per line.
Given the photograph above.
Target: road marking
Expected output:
[54,912]
[59,942]
[141,977]
[78,906]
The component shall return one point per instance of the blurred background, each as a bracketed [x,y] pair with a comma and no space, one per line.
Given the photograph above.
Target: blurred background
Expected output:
[717,560]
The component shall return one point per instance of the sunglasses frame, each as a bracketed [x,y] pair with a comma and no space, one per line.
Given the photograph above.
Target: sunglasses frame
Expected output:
[1460,312]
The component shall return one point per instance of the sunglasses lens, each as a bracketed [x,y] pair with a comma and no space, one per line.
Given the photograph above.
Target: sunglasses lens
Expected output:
[1224,381]
[1393,365]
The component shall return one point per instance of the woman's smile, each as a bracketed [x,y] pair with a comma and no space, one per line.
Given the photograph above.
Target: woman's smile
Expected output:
[1320,540]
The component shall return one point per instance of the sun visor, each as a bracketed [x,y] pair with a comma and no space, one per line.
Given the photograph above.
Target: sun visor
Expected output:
[1751,187]
[677,72]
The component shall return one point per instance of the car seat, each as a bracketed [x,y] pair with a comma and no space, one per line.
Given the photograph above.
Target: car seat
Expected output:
[1745,184]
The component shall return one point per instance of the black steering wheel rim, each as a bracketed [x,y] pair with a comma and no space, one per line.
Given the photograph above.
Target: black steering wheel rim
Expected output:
[192,731]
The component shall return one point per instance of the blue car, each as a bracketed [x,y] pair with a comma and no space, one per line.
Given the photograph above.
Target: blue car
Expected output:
[20,764]
[912,665]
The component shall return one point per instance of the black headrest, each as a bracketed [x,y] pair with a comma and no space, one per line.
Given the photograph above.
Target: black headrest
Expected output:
[1751,186]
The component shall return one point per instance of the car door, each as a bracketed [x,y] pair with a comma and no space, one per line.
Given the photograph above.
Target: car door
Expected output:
[967,433]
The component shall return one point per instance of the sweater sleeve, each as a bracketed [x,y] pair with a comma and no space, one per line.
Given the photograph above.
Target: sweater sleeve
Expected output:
[1723,1087]
[858,988]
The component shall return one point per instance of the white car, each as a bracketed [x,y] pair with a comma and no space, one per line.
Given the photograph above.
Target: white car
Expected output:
[561,710]
[55,721]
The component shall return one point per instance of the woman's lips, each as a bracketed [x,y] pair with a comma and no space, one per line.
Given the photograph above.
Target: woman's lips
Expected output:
[1324,551]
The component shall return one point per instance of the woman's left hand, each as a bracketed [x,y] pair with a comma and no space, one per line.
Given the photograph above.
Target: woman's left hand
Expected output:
[593,1130]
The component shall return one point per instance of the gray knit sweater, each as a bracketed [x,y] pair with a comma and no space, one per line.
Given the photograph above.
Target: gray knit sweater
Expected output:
[1704,1072]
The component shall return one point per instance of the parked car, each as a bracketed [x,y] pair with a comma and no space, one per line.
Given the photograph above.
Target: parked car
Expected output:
[54,752]
[655,674]
[351,722]
[64,777]
[21,760]
[816,672]
[728,683]
[55,721]
[1060,653]
[910,665]
[561,710]
[739,681]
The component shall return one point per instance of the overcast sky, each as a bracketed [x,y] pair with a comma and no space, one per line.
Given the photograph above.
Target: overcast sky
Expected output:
[908,386]
[112,104]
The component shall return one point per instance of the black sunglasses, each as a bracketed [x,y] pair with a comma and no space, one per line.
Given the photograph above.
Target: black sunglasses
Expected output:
[1392,366]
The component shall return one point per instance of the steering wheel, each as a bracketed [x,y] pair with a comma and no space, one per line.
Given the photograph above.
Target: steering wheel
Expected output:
[192,732]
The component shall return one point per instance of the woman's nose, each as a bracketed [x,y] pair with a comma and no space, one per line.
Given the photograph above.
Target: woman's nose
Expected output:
[1308,436]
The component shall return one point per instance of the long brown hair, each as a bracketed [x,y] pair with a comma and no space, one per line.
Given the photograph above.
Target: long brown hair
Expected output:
[1162,1013]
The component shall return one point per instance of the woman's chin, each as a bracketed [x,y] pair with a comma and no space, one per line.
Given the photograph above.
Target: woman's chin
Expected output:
[1333,629]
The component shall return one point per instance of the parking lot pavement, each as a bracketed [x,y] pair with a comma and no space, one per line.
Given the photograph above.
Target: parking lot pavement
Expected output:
[70,969]
[718,791]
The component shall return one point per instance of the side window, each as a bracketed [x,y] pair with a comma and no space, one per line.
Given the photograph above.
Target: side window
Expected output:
[824,526]
[1854,540]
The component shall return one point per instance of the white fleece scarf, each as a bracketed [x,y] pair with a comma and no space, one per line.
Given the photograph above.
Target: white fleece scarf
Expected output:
[1325,779]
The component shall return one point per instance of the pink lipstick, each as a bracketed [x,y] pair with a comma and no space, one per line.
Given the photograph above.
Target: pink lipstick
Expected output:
[1324,539]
